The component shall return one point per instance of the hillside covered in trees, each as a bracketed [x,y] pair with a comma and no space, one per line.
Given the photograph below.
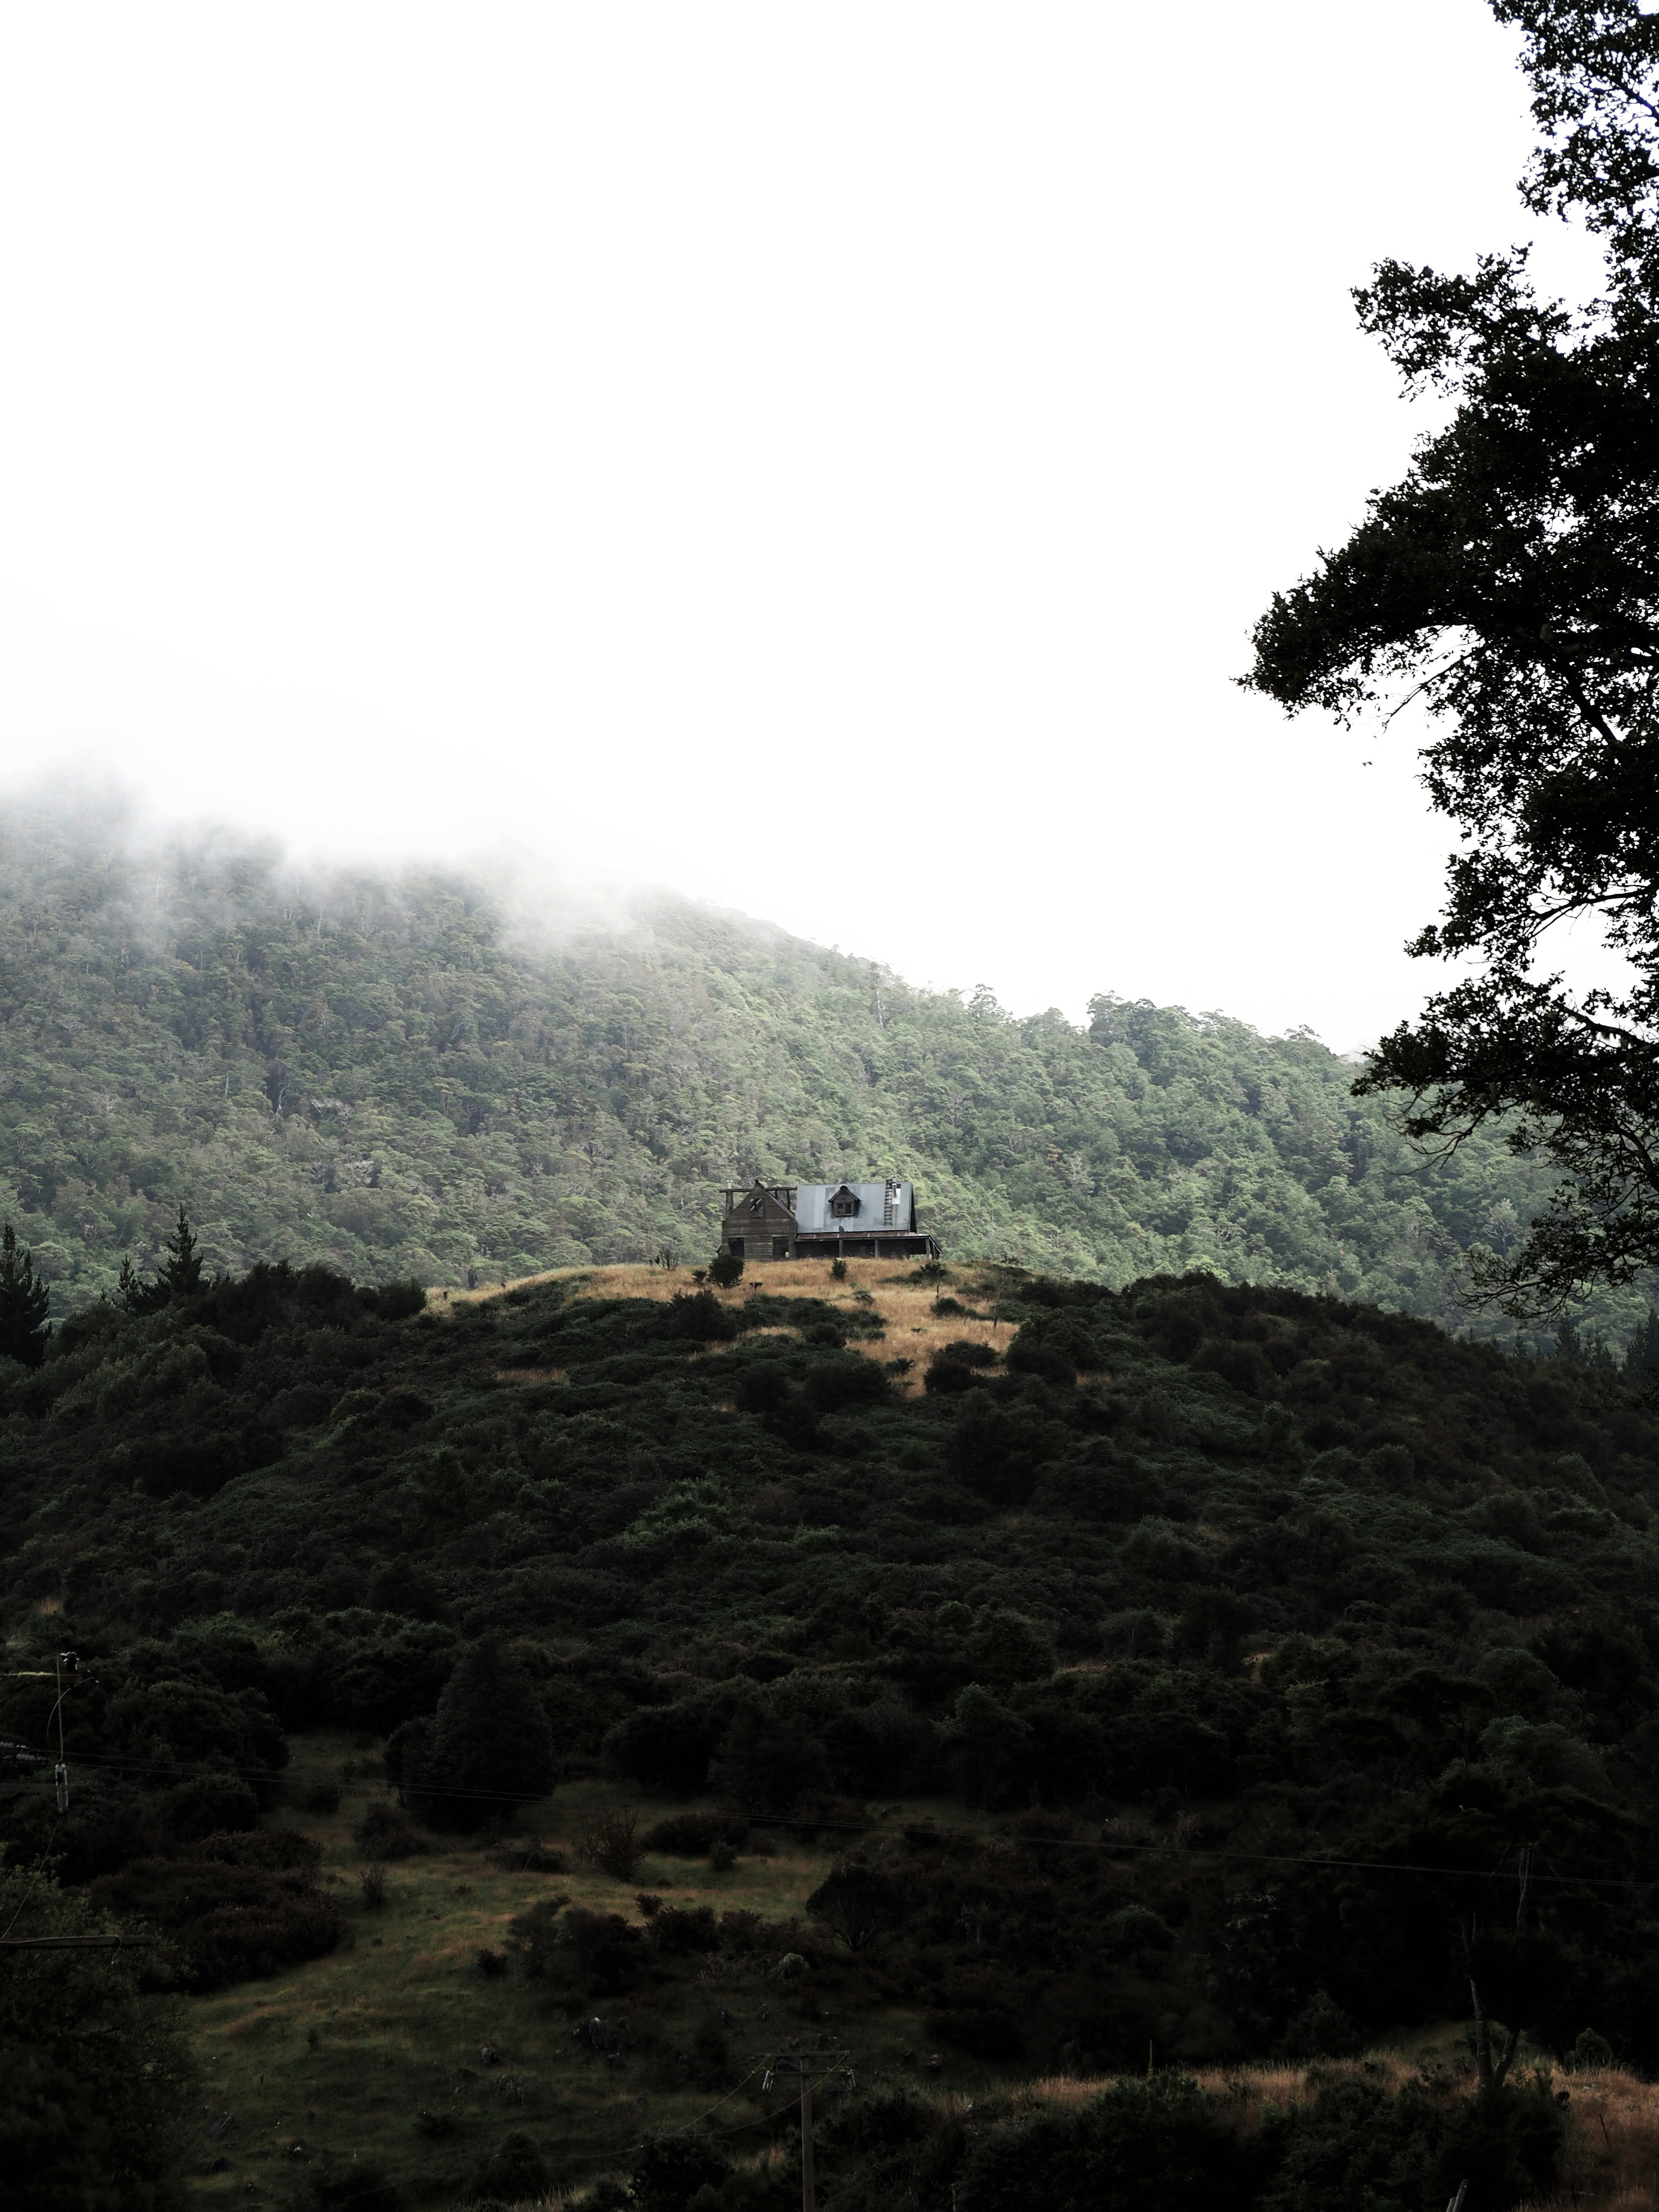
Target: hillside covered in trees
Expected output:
[1274,1666]
[393,1077]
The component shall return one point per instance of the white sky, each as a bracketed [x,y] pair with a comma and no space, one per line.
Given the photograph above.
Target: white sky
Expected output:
[827,458]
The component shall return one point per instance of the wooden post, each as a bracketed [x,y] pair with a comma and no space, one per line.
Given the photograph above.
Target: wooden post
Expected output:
[808,2189]
[802,2062]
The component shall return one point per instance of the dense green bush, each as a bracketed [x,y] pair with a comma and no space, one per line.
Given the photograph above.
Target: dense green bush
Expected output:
[691,1835]
[96,2081]
[1154,2146]
[239,1907]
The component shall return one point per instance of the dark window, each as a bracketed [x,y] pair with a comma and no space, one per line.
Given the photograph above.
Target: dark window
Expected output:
[780,1247]
[758,1204]
[736,1245]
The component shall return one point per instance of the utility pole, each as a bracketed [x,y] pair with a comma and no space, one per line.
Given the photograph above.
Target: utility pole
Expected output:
[805,2064]
[67,1662]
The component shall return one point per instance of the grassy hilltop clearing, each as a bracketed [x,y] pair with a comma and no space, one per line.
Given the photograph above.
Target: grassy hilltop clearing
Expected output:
[519,1713]
[393,1076]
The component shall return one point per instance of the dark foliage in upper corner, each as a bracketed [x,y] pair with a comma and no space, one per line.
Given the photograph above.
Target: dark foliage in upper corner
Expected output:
[1509,583]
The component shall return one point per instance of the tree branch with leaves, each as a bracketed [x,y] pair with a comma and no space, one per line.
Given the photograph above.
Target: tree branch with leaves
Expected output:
[1510,584]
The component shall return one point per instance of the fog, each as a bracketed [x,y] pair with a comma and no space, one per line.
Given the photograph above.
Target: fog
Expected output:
[827,462]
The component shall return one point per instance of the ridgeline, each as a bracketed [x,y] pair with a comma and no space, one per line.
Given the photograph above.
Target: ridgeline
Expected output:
[391,1078]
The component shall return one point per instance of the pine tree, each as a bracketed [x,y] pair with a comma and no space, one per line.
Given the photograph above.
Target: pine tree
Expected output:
[1641,1353]
[490,1746]
[179,1277]
[183,1271]
[25,1302]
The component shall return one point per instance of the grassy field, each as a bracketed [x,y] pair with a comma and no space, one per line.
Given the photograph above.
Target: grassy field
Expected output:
[915,1327]
[375,2054]
[399,2053]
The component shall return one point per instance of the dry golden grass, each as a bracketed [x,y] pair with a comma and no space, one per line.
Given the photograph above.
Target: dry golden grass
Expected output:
[915,1330]
[341,2054]
[1611,2158]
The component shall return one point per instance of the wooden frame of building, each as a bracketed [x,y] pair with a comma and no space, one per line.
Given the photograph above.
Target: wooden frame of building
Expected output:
[847,1220]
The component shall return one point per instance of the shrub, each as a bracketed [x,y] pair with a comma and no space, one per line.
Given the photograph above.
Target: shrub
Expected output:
[767,1764]
[384,1833]
[399,1586]
[533,1938]
[397,1301]
[321,1797]
[700,1317]
[955,1366]
[665,1747]
[491,1964]
[532,1857]
[857,1903]
[282,1851]
[604,1948]
[372,1882]
[726,1269]
[514,2170]
[1589,2050]
[234,1916]
[1152,2146]
[834,1386]
[1320,2030]
[608,1840]
[692,1835]
[670,2169]
[1355,2145]
[685,1928]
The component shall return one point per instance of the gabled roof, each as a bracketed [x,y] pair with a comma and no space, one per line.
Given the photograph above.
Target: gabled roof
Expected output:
[881,1206]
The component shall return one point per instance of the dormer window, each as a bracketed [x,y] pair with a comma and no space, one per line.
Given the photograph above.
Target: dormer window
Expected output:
[843,1205]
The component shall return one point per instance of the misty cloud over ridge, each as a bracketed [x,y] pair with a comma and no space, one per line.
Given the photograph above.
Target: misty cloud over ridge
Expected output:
[422,1073]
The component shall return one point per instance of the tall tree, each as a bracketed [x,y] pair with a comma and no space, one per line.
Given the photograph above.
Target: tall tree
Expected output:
[25,1302]
[488,1749]
[182,1271]
[1510,583]
[178,1277]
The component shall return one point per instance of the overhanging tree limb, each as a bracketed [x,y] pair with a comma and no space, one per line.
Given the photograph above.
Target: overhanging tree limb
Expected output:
[1510,584]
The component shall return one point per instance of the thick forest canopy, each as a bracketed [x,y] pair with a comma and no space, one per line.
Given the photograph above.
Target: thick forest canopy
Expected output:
[391,1076]
[1510,584]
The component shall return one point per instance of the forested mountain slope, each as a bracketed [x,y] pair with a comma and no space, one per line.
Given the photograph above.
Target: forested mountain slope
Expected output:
[1325,1614]
[385,1075]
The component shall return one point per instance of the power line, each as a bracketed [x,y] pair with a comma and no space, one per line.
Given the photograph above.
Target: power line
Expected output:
[1113,1847]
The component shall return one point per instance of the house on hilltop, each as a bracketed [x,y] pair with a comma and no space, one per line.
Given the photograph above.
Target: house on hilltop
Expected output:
[851,1220]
